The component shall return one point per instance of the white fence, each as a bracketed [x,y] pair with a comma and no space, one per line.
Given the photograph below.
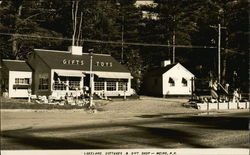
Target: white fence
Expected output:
[222,106]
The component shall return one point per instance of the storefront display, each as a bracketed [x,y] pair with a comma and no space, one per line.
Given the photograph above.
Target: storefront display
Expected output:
[59,72]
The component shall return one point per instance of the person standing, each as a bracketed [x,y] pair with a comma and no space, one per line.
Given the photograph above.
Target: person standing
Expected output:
[214,90]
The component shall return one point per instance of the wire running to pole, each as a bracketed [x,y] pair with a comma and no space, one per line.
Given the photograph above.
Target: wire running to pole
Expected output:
[109,42]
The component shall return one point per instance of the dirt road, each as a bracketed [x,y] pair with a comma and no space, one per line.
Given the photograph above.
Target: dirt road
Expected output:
[145,123]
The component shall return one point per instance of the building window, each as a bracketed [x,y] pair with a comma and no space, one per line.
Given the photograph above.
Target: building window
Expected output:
[43,83]
[74,83]
[111,86]
[184,82]
[99,86]
[122,86]
[171,82]
[59,85]
[22,81]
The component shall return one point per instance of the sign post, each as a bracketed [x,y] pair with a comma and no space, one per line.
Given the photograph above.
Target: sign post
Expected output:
[124,89]
[29,95]
[91,103]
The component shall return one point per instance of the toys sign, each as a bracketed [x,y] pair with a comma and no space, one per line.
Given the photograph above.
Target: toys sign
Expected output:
[104,64]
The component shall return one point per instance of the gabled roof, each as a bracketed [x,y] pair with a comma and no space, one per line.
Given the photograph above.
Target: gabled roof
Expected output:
[54,59]
[16,65]
[162,70]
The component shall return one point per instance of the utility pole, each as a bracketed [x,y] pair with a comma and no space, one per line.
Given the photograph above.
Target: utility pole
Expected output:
[173,47]
[173,41]
[219,41]
[122,37]
[219,49]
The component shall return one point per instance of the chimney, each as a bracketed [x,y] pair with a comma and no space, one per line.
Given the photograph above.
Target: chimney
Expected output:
[165,63]
[75,50]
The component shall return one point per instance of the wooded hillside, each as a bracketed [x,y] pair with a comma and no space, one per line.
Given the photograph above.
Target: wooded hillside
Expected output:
[119,28]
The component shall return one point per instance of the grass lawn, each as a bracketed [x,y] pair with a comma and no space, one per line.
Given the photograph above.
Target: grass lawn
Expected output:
[24,104]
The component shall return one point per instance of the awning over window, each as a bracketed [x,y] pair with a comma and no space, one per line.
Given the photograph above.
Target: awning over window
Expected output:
[113,75]
[171,80]
[70,73]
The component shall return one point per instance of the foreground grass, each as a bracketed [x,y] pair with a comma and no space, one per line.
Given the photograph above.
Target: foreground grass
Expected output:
[5,105]
[23,104]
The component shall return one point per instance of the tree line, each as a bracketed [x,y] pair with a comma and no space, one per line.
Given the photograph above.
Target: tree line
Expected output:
[108,26]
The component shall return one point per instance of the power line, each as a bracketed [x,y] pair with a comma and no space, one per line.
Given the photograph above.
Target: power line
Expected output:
[108,42]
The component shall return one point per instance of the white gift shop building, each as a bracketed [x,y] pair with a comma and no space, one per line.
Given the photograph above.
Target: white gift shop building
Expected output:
[58,73]
[169,79]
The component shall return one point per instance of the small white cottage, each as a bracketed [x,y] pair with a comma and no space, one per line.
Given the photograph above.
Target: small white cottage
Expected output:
[15,78]
[170,79]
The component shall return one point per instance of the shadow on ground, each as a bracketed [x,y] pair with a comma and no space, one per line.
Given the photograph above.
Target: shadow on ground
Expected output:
[133,134]
[209,121]
[223,123]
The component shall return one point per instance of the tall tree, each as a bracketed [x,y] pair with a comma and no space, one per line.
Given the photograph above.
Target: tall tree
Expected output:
[130,21]
[22,17]
[177,20]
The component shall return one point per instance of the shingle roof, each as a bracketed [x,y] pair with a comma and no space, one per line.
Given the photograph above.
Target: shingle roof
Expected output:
[16,65]
[54,59]
[160,71]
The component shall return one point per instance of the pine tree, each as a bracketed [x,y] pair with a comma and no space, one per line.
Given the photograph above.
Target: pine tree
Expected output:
[23,17]
[175,19]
